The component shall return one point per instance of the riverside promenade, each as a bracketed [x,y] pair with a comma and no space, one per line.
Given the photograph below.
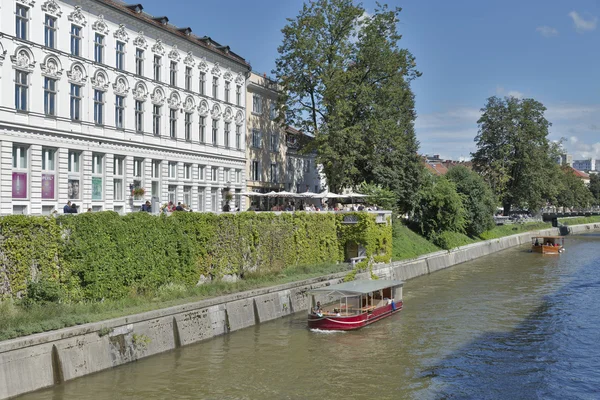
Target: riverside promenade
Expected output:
[42,360]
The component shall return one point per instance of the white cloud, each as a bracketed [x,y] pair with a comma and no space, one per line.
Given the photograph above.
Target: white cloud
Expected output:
[515,93]
[582,24]
[500,91]
[547,31]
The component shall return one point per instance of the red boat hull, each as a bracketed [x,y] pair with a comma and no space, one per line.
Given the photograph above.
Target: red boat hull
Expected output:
[341,323]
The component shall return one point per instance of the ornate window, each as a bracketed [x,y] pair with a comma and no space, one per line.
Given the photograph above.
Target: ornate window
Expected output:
[99,48]
[173,123]
[188,126]
[202,124]
[157,67]
[215,87]
[22,22]
[202,88]
[215,131]
[98,107]
[21,90]
[227,133]
[227,92]
[156,114]
[173,73]
[120,55]
[139,61]
[75,102]
[238,137]
[75,40]
[188,78]
[139,116]
[120,112]
[50,31]
[238,95]
[49,97]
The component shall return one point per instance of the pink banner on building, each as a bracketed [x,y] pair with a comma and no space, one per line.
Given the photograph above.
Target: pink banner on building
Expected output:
[19,185]
[47,186]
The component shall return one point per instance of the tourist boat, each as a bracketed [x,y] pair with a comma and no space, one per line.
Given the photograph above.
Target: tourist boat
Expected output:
[352,305]
[548,244]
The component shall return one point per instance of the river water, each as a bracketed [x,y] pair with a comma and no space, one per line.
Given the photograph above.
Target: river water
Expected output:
[513,325]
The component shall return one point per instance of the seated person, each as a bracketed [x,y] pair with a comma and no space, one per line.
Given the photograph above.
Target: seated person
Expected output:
[317,309]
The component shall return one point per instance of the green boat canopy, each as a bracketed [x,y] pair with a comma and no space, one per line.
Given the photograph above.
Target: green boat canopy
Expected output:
[358,287]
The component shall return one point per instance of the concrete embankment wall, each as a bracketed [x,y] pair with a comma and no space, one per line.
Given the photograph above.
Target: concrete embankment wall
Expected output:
[37,361]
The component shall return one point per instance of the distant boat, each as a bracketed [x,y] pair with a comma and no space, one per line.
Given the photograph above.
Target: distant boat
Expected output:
[352,305]
[548,244]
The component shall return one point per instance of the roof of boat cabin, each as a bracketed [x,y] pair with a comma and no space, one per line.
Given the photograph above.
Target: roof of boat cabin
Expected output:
[359,287]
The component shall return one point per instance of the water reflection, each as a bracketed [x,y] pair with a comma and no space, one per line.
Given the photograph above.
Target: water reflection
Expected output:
[511,325]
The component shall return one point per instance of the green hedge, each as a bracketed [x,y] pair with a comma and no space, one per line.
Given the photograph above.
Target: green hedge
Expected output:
[104,255]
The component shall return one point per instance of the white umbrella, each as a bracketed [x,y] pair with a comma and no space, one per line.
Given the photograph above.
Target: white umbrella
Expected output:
[355,195]
[281,194]
[251,194]
[328,195]
[307,195]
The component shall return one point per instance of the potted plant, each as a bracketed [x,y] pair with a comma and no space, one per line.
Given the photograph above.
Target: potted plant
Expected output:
[138,192]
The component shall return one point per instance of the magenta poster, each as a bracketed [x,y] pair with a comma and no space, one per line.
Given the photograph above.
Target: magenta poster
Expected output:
[47,186]
[19,185]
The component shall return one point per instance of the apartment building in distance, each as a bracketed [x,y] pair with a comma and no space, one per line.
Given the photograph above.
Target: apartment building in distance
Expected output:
[99,100]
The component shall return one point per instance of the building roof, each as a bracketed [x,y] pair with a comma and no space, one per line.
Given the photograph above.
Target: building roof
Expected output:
[135,10]
[436,168]
[358,287]
[579,174]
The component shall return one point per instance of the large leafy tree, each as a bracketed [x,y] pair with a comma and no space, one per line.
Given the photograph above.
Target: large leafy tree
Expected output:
[346,81]
[479,200]
[440,207]
[572,192]
[514,154]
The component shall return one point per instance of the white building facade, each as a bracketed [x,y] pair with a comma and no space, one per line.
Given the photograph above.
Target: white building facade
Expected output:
[100,100]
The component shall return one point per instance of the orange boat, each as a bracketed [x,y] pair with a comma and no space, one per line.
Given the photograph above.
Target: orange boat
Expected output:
[548,244]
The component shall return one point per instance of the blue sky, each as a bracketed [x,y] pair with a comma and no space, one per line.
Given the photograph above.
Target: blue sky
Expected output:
[467,51]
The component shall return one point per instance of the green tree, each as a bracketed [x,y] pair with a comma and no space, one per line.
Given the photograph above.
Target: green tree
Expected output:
[514,154]
[479,200]
[572,192]
[378,195]
[595,188]
[440,207]
[346,81]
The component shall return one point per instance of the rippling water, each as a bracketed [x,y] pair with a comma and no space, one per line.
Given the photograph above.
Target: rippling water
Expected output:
[513,325]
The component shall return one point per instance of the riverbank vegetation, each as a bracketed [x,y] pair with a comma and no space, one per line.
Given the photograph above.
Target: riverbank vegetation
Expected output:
[45,309]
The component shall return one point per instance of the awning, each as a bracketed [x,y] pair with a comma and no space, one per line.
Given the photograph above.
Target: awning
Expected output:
[358,287]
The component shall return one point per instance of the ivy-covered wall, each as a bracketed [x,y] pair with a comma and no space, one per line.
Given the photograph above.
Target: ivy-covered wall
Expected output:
[105,255]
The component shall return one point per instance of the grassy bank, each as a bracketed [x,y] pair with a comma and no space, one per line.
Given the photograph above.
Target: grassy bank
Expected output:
[408,244]
[579,220]
[21,318]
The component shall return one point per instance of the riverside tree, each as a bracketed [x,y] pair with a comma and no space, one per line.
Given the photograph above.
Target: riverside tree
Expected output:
[478,199]
[595,188]
[572,192]
[514,154]
[346,81]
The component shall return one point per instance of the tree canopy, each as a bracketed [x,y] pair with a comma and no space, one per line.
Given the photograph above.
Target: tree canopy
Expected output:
[346,81]
[514,154]
[478,199]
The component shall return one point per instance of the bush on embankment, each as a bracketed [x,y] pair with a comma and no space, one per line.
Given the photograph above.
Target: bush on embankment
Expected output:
[103,255]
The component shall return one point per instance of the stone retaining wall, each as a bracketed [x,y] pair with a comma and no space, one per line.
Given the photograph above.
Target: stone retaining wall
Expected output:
[42,360]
